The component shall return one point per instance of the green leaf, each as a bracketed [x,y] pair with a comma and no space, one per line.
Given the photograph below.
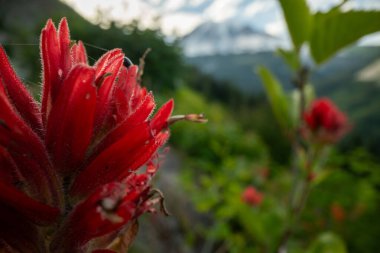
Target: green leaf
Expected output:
[298,19]
[335,30]
[277,97]
[290,57]
[252,222]
[328,242]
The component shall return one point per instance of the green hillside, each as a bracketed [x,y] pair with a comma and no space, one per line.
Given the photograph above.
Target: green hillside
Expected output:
[239,69]
[337,79]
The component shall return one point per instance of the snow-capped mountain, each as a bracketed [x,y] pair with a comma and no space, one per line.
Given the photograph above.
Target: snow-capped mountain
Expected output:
[228,38]
[211,26]
[236,26]
[206,26]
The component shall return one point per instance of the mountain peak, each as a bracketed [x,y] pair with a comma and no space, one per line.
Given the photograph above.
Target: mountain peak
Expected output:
[226,37]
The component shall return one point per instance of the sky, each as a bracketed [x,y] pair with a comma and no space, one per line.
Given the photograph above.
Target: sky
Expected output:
[180,17]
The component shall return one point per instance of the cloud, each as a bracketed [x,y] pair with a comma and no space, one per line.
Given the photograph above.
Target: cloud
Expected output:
[172,5]
[322,5]
[362,5]
[371,40]
[221,10]
[182,16]
[259,6]
[180,23]
[325,5]
[276,28]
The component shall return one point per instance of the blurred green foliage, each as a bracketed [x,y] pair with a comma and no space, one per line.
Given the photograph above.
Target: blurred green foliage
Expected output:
[328,242]
[241,145]
[221,137]
[164,64]
[221,160]
[297,12]
[277,98]
[327,32]
[357,196]
[335,30]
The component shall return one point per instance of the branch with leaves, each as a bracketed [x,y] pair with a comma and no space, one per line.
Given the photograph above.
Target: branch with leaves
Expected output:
[311,125]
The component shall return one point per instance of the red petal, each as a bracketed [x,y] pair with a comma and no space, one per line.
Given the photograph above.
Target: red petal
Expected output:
[128,82]
[106,88]
[136,118]
[122,95]
[104,61]
[144,155]
[9,172]
[50,60]
[127,98]
[20,97]
[161,117]
[103,212]
[70,125]
[138,94]
[56,59]
[34,211]
[64,45]
[78,53]
[111,162]
[27,151]
[123,77]
[119,160]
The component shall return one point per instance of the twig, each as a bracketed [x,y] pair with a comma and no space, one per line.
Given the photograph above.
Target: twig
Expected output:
[197,118]
[142,65]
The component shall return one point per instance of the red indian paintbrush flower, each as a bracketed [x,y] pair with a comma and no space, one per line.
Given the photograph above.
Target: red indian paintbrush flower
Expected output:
[251,196]
[68,167]
[337,212]
[326,122]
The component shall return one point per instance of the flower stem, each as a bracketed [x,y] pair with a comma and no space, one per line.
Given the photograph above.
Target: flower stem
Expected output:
[296,205]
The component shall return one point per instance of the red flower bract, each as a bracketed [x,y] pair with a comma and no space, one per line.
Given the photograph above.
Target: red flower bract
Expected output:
[68,167]
[326,121]
[337,212]
[251,196]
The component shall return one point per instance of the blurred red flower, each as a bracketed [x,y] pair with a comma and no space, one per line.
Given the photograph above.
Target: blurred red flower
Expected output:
[326,122]
[337,212]
[68,167]
[251,196]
